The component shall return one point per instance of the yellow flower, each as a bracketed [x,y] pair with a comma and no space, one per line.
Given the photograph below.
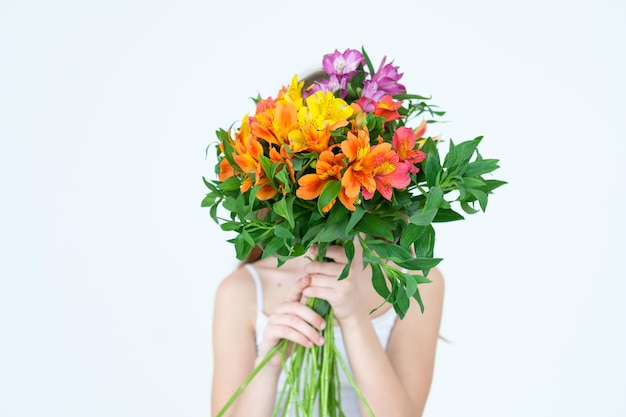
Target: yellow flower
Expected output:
[324,111]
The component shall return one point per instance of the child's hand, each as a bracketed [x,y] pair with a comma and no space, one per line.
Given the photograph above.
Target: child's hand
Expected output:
[344,295]
[293,321]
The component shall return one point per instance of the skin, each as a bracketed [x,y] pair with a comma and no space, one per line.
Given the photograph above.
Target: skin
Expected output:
[395,381]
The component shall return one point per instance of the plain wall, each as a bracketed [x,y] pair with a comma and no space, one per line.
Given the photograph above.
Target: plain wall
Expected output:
[109,266]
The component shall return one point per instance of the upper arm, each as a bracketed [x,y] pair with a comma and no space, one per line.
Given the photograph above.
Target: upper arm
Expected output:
[413,341]
[234,345]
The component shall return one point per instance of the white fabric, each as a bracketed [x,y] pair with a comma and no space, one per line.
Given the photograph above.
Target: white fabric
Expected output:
[383,325]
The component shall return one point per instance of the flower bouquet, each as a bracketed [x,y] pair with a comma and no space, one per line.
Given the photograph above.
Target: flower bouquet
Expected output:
[342,158]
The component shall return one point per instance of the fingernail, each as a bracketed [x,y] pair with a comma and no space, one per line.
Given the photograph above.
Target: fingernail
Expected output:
[321,341]
[323,326]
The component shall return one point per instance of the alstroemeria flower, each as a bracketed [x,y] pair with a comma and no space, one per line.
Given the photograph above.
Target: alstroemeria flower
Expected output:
[388,172]
[383,82]
[360,165]
[325,111]
[328,168]
[246,150]
[293,93]
[388,108]
[274,120]
[405,141]
[387,77]
[332,83]
[342,63]
[309,138]
[268,190]
[371,168]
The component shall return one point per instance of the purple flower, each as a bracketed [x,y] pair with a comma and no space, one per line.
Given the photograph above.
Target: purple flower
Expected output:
[342,64]
[332,84]
[387,78]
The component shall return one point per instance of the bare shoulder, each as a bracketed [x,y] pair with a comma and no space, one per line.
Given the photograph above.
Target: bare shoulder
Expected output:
[235,299]
[238,285]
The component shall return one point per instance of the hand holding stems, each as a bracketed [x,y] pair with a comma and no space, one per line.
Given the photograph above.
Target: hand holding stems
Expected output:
[292,321]
[343,295]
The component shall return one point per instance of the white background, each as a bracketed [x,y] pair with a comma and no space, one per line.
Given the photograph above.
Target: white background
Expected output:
[109,265]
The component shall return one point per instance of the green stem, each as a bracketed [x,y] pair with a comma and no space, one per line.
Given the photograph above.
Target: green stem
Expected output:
[255,371]
[352,382]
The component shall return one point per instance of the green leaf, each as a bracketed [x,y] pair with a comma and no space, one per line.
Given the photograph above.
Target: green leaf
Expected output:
[468,208]
[466,149]
[272,246]
[388,251]
[418,298]
[209,200]
[348,248]
[447,215]
[282,232]
[424,246]
[401,303]
[209,185]
[379,282]
[230,226]
[310,234]
[354,219]
[372,225]
[280,208]
[248,238]
[473,182]
[491,185]
[480,167]
[266,163]
[329,233]
[481,196]
[423,218]
[451,158]
[431,165]
[229,184]
[242,248]
[329,193]
[434,199]
[213,213]
[411,284]
[419,264]
[411,234]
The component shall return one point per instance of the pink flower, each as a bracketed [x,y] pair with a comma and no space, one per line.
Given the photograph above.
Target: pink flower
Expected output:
[404,141]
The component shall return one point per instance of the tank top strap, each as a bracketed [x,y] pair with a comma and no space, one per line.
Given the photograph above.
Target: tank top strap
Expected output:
[259,287]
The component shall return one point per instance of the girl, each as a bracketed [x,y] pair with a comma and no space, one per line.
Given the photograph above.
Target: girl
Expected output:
[258,304]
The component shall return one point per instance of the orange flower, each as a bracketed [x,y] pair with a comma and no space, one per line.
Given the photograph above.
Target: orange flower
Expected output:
[388,173]
[226,170]
[247,149]
[308,138]
[371,168]
[274,120]
[245,154]
[388,108]
[357,148]
[328,168]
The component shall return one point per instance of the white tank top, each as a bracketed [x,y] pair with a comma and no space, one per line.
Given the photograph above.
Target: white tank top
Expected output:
[383,325]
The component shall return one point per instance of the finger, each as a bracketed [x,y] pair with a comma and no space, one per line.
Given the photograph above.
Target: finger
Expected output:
[325,293]
[326,281]
[337,254]
[295,330]
[301,311]
[295,294]
[332,269]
